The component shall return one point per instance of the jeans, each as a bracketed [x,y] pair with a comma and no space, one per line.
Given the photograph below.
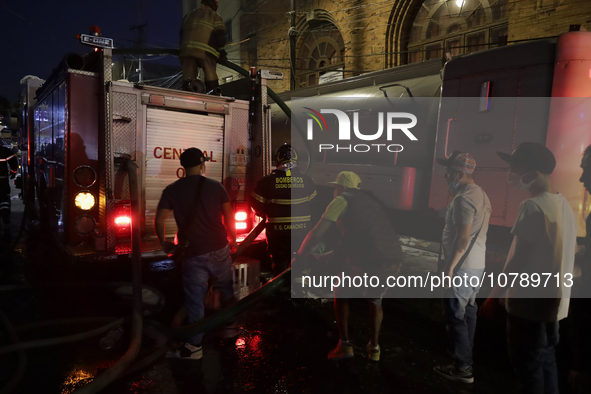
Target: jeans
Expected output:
[531,348]
[197,272]
[460,312]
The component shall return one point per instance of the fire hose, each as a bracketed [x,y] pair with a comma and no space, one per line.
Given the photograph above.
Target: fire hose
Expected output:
[136,317]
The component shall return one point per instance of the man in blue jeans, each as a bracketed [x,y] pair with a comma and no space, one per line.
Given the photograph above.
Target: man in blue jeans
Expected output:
[464,249]
[199,204]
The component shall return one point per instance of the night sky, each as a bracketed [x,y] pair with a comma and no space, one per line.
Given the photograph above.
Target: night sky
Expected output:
[36,34]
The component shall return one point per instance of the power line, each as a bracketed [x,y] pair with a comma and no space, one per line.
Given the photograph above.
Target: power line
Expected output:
[401,52]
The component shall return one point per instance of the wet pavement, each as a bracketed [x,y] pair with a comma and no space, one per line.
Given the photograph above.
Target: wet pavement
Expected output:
[281,348]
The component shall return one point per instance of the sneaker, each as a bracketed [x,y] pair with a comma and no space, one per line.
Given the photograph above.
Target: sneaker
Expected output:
[187,352]
[342,351]
[373,353]
[450,372]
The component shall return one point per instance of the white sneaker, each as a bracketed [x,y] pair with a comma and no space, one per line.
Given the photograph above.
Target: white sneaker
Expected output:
[450,372]
[187,352]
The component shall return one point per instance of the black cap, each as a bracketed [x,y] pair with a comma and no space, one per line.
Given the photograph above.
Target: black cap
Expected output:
[192,157]
[532,156]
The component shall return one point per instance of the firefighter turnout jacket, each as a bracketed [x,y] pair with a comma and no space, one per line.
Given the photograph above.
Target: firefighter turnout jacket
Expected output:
[284,198]
[8,163]
[8,167]
[203,32]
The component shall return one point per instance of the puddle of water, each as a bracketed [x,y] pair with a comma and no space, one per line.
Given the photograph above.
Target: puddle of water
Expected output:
[160,266]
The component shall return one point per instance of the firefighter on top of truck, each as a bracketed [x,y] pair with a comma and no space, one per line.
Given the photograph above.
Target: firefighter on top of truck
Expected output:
[8,168]
[203,36]
[284,198]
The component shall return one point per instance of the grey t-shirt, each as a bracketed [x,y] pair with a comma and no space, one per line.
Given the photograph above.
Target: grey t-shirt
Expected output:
[470,205]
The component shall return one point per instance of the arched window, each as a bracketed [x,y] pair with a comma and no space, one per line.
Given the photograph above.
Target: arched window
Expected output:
[456,27]
[322,50]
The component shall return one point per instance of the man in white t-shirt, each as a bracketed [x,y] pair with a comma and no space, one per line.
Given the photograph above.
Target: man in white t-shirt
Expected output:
[543,246]
[464,249]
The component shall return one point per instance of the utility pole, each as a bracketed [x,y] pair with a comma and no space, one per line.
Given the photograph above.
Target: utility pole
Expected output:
[292,46]
[140,26]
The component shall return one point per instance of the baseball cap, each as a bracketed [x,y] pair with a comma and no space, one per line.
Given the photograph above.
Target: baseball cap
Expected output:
[192,157]
[459,161]
[348,179]
[532,156]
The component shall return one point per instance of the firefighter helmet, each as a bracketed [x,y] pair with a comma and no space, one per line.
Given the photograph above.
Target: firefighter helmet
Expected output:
[212,3]
[286,153]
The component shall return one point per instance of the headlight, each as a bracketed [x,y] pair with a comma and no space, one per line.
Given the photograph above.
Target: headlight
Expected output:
[84,176]
[84,200]
[84,224]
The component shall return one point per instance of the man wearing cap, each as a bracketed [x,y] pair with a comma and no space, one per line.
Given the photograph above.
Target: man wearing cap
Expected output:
[368,245]
[544,241]
[464,250]
[199,204]
[284,197]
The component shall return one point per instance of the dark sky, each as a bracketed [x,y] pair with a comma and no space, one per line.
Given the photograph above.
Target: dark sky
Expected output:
[35,35]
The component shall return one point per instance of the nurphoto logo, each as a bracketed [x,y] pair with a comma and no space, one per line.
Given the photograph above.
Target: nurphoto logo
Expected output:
[394,122]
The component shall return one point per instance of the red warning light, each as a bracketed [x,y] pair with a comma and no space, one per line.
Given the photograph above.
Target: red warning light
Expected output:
[95,30]
[123,221]
[241,216]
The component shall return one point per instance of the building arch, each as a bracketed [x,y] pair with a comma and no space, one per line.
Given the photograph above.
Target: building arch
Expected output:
[421,30]
[320,48]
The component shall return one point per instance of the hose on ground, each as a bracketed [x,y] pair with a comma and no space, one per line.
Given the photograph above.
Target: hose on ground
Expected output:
[60,340]
[21,357]
[125,361]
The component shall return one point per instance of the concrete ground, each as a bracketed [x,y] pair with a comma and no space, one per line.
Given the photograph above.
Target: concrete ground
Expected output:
[282,346]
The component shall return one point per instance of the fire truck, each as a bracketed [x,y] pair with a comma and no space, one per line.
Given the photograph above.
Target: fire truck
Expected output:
[84,127]
[479,103]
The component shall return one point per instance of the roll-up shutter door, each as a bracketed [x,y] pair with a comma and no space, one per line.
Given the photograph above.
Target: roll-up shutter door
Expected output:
[168,134]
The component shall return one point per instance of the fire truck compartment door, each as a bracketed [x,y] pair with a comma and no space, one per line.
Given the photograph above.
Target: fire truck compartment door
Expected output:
[168,134]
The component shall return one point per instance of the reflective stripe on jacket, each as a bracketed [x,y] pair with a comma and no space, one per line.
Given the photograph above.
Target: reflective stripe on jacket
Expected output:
[8,162]
[198,28]
[284,198]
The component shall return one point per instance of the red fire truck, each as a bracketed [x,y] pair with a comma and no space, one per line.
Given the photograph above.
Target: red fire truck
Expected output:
[84,127]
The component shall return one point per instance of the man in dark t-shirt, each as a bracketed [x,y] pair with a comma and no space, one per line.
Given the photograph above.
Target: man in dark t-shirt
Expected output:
[199,204]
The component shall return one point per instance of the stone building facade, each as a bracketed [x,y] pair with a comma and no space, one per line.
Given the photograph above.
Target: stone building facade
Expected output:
[345,38]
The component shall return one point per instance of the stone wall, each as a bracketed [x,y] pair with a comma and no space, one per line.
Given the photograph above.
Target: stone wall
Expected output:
[365,24]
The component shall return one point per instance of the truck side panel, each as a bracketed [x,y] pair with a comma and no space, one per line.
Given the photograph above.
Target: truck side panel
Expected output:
[570,114]
[517,82]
